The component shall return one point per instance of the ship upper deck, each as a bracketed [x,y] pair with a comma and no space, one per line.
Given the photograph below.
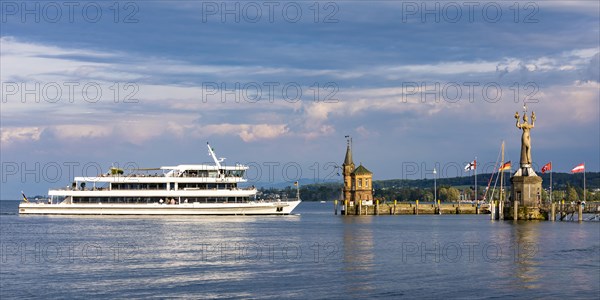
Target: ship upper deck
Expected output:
[180,173]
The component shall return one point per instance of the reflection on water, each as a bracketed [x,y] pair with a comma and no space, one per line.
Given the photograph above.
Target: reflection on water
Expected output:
[311,255]
[358,249]
[525,239]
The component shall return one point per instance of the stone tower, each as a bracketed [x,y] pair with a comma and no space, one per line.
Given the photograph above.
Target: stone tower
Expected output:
[348,168]
[358,182]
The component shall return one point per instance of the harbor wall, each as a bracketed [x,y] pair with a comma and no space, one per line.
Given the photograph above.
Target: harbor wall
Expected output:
[412,208]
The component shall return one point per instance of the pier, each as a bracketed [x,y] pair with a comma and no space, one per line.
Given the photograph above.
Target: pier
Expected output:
[560,210]
[523,203]
[409,208]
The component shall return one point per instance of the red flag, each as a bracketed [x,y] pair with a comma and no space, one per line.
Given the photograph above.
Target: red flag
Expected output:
[580,168]
[547,167]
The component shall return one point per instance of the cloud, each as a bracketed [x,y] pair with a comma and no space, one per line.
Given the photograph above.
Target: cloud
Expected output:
[578,103]
[317,132]
[578,59]
[592,73]
[12,46]
[11,135]
[365,133]
[248,132]
[80,131]
[178,108]
[445,68]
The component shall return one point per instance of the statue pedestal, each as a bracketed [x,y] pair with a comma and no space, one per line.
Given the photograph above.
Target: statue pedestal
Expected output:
[526,188]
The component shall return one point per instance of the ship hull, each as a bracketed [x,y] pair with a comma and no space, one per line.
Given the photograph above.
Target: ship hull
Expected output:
[249,208]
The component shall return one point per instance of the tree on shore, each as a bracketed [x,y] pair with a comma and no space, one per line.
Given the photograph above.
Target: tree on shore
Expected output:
[572,195]
[453,194]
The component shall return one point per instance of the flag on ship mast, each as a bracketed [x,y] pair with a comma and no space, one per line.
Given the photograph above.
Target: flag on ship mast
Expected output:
[505,166]
[578,169]
[24,197]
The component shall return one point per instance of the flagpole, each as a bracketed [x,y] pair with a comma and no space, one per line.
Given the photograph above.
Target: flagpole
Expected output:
[584,182]
[476,179]
[550,182]
[470,187]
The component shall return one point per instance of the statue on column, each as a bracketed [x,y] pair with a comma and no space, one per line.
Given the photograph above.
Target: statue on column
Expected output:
[525,138]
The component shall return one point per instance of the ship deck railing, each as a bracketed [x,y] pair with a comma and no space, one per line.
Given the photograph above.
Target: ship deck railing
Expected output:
[182,189]
[163,175]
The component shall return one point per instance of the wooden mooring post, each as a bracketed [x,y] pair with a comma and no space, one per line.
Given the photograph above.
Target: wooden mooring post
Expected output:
[335,207]
[580,213]
[417,207]
[552,216]
[516,211]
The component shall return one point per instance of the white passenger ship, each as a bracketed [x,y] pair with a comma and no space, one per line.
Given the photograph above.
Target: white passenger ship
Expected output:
[179,190]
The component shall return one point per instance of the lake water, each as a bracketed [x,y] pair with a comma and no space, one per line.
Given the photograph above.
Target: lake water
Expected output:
[310,255]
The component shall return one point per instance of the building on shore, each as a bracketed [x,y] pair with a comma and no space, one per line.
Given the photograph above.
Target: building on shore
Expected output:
[358,182]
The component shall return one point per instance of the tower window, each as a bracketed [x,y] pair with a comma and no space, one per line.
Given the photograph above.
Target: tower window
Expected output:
[367,183]
[359,182]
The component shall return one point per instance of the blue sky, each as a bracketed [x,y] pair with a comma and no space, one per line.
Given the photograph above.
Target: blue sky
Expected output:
[416,85]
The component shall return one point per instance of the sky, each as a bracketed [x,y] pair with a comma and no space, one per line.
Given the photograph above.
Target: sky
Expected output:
[278,85]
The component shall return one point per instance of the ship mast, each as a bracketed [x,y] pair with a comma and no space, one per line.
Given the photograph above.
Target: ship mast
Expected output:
[214,157]
[501,202]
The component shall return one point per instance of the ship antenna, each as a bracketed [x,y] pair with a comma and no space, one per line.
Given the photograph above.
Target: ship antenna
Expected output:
[214,157]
